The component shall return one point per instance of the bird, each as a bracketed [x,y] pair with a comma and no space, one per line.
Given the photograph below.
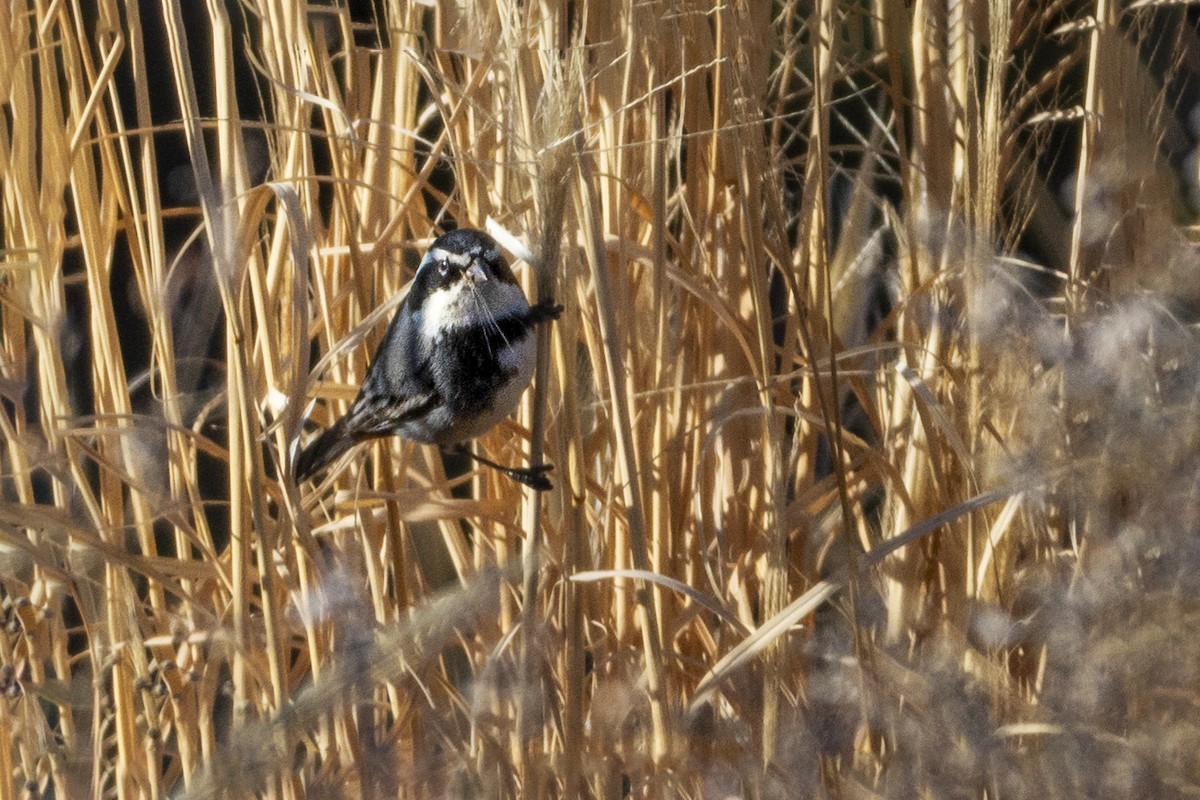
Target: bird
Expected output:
[457,356]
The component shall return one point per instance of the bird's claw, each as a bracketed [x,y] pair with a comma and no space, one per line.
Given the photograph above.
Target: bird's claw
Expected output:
[534,477]
[545,310]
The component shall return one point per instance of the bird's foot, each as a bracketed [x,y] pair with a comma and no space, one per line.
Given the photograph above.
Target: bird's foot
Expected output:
[544,311]
[534,477]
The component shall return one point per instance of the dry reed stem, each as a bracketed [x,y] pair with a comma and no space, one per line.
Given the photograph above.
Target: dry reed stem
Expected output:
[799,354]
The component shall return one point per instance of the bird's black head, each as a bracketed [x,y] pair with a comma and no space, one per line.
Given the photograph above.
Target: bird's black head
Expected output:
[463,279]
[463,253]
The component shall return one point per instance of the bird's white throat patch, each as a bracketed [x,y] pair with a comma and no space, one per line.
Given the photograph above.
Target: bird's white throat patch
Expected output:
[461,304]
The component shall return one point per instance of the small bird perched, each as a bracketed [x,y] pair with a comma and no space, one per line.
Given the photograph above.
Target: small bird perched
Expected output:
[454,361]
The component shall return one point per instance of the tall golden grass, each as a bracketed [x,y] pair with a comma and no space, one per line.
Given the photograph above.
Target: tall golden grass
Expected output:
[872,410]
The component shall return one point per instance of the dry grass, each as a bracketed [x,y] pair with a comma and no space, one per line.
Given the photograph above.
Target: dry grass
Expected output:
[873,407]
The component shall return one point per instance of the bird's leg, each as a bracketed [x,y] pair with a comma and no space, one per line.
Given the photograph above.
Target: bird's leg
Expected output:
[534,477]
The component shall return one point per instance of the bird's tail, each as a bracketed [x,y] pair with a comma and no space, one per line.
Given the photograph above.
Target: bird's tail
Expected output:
[331,443]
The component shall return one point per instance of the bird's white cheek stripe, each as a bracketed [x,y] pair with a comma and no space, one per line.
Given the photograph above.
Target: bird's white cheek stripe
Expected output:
[458,259]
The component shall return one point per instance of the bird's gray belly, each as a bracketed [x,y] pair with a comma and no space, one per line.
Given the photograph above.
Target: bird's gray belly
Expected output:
[479,379]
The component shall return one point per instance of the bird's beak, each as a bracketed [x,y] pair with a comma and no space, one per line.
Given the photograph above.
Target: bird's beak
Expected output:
[476,274]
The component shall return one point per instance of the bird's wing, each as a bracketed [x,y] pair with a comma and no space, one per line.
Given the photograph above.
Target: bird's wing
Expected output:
[397,389]
[382,414]
[398,386]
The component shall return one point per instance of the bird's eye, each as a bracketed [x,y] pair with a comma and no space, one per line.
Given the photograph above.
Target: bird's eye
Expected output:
[443,268]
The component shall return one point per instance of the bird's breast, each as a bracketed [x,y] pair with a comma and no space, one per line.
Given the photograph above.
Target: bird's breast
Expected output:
[480,373]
